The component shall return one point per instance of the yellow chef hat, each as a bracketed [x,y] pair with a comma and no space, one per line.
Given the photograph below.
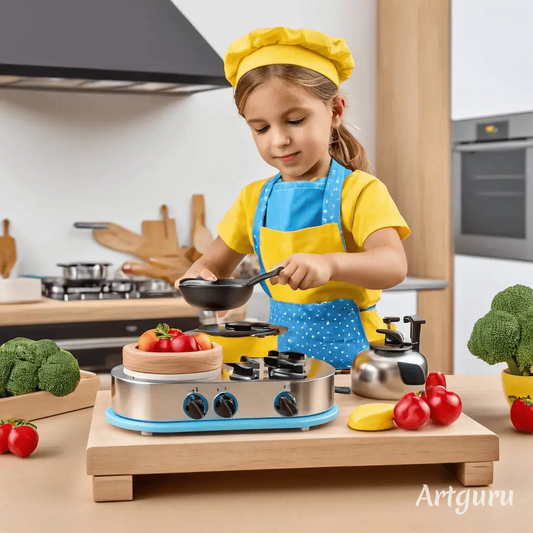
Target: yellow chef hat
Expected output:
[329,56]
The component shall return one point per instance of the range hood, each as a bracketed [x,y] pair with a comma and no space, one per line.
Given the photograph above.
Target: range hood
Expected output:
[132,46]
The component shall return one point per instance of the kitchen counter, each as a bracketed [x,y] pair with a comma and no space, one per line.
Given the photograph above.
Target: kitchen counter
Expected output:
[51,491]
[419,284]
[48,311]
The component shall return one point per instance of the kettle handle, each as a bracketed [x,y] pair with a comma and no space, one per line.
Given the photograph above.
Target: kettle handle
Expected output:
[416,325]
[392,337]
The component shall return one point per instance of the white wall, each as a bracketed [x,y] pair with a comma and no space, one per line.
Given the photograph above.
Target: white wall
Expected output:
[66,157]
[492,57]
[477,281]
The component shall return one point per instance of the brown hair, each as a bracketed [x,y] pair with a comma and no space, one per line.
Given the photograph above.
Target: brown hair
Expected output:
[344,147]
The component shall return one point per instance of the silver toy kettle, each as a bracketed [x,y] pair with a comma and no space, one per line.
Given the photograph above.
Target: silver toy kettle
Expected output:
[389,369]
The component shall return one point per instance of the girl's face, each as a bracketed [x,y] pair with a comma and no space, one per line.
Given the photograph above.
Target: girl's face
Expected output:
[292,128]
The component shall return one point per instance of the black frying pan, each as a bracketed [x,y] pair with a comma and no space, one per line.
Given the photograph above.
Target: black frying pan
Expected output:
[222,294]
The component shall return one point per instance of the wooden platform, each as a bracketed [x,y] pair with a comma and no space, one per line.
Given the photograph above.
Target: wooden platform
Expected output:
[42,404]
[115,455]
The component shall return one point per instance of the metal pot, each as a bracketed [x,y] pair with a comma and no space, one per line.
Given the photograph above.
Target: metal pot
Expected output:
[84,271]
[154,285]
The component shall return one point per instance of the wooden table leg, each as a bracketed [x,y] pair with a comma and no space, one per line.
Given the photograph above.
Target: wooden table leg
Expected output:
[472,474]
[112,488]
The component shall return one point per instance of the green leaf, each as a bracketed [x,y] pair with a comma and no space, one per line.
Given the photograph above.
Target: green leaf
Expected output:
[161,331]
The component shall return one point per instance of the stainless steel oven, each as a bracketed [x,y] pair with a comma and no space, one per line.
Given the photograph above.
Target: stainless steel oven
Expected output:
[492,166]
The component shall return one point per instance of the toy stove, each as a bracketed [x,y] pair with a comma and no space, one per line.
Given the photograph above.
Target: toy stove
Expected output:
[281,390]
[72,290]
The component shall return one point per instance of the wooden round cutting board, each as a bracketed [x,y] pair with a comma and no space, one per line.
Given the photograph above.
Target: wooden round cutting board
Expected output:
[172,363]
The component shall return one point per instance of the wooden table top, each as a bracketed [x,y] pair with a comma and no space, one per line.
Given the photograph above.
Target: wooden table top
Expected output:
[52,491]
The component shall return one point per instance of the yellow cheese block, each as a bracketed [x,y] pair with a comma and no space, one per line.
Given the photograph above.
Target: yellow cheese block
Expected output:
[372,417]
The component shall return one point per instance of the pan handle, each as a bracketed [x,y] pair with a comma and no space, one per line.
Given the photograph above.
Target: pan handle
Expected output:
[90,225]
[262,277]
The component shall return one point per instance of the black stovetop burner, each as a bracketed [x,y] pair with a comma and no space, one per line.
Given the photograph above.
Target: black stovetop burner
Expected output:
[241,329]
[285,365]
[280,365]
[246,369]
[109,289]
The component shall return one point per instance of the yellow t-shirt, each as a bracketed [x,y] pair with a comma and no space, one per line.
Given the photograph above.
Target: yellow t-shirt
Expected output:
[366,206]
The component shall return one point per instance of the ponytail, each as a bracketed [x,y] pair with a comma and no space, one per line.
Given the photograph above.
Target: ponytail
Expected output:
[348,151]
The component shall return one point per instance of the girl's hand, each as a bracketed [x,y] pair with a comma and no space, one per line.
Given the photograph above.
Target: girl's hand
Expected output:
[192,273]
[304,271]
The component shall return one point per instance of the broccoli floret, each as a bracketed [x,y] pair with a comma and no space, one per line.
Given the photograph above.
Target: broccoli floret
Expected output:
[7,362]
[495,337]
[505,333]
[27,366]
[60,374]
[524,355]
[515,300]
[43,350]
[23,378]
[21,348]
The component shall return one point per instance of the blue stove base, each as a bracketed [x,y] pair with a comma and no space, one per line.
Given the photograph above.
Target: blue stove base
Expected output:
[223,424]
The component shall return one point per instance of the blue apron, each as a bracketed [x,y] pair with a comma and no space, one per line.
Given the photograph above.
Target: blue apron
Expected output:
[330,330]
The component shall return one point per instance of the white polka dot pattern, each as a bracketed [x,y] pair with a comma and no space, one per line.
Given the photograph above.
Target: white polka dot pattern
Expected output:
[331,331]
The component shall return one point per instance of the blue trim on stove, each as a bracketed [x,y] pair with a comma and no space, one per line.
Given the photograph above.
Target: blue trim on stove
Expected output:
[230,424]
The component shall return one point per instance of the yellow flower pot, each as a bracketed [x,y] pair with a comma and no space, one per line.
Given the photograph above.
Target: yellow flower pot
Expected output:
[516,386]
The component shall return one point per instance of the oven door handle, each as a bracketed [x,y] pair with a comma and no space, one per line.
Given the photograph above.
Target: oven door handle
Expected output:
[93,344]
[493,146]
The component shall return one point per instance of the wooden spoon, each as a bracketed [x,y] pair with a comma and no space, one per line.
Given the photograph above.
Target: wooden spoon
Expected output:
[8,251]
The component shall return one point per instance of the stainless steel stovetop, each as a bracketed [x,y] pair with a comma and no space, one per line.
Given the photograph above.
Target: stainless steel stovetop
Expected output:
[275,391]
[69,290]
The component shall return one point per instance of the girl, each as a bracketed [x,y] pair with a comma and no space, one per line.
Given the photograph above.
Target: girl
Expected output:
[331,224]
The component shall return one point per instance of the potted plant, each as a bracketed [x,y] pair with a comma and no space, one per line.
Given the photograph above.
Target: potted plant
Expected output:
[505,335]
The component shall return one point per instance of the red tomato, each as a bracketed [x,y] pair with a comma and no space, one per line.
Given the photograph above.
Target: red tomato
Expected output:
[521,415]
[434,379]
[5,429]
[22,440]
[446,406]
[184,343]
[411,412]
[162,345]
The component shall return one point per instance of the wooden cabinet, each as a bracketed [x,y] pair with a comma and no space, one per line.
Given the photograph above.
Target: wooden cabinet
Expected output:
[413,150]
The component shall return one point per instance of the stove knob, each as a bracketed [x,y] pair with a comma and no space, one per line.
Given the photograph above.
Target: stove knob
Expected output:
[225,405]
[195,406]
[285,404]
